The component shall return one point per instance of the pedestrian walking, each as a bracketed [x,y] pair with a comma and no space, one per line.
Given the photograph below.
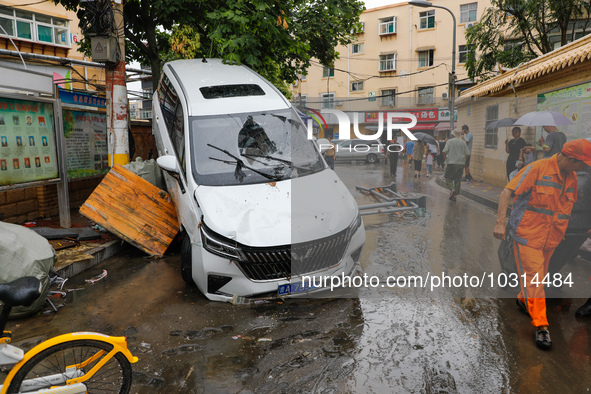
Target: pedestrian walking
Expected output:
[418,151]
[526,156]
[440,156]
[408,147]
[513,148]
[456,153]
[329,155]
[545,192]
[392,157]
[554,142]
[429,159]
[468,138]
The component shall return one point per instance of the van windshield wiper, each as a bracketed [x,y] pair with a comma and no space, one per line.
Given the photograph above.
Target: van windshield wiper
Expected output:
[289,163]
[238,173]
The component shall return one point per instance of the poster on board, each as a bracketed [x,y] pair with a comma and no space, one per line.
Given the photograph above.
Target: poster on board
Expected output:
[86,143]
[27,141]
[573,102]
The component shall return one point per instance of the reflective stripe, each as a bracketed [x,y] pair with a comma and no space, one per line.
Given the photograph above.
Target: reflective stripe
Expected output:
[563,216]
[570,190]
[523,284]
[555,185]
[527,170]
[543,211]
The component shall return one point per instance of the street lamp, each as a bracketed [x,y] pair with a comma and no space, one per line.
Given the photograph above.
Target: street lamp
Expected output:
[452,84]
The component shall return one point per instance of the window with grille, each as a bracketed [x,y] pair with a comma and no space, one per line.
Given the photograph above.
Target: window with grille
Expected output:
[387,26]
[356,86]
[463,52]
[327,72]
[33,26]
[388,97]
[468,12]
[425,95]
[357,48]
[427,20]
[491,137]
[426,58]
[328,100]
[388,62]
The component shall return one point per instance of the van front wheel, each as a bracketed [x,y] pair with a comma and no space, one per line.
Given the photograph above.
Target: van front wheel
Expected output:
[186,260]
[371,158]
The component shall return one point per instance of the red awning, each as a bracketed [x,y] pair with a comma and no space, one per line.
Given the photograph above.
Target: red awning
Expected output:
[424,126]
[441,126]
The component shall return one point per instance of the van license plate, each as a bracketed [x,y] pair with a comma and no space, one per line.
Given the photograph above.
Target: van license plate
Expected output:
[294,288]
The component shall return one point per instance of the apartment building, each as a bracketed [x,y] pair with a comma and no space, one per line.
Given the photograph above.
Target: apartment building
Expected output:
[46,29]
[401,59]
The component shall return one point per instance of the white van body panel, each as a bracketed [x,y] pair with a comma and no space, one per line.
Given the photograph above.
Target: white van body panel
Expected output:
[265,215]
[215,73]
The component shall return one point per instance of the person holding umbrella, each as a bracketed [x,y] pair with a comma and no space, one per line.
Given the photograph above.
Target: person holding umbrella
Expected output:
[513,148]
[545,192]
[549,120]
[554,141]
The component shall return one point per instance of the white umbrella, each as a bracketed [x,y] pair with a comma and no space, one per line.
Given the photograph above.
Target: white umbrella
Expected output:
[543,118]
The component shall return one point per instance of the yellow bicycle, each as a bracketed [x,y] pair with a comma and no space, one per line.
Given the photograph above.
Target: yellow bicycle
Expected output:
[79,362]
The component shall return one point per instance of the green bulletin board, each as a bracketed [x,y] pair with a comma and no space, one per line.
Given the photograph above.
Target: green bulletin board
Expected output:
[86,143]
[573,102]
[27,141]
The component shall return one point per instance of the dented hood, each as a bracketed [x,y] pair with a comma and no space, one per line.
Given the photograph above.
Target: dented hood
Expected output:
[279,213]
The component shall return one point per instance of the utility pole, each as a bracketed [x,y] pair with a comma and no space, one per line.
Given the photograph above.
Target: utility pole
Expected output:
[117,104]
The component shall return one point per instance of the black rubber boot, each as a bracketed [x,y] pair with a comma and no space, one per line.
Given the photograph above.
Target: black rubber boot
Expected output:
[584,310]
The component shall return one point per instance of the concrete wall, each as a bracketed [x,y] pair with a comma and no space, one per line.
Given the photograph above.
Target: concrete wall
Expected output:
[25,205]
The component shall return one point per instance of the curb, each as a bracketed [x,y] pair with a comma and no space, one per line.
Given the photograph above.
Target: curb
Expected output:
[472,196]
[90,258]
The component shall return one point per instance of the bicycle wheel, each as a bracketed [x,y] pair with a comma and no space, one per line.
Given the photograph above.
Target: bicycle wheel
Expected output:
[53,367]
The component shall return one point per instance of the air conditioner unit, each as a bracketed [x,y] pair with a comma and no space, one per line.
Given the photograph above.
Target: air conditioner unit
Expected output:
[444,95]
[338,103]
[469,25]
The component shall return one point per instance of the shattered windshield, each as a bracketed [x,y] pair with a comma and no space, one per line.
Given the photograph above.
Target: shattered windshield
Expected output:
[245,148]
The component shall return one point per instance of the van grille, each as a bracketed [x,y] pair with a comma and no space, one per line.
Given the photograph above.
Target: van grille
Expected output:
[298,259]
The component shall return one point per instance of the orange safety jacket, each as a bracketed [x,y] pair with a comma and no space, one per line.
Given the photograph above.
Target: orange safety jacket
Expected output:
[543,203]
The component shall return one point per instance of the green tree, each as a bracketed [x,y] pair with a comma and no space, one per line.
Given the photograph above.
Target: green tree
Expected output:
[275,38]
[514,31]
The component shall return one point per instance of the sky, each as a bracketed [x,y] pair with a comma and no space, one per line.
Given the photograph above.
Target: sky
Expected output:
[378,3]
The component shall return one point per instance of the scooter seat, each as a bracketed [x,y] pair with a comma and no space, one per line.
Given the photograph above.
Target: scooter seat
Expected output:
[22,291]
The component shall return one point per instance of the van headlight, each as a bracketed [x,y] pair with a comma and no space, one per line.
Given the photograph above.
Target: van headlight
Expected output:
[355,224]
[220,246]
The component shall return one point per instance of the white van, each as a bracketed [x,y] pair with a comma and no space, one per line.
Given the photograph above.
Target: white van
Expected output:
[257,204]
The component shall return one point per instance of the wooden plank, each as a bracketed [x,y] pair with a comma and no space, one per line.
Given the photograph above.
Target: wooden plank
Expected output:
[134,210]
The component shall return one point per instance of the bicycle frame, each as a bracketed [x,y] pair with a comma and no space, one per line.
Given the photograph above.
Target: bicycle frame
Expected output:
[75,381]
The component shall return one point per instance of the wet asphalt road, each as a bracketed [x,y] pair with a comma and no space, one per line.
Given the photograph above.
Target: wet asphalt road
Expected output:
[386,340]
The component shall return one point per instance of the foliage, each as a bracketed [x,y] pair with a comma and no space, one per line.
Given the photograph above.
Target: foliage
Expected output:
[511,32]
[275,38]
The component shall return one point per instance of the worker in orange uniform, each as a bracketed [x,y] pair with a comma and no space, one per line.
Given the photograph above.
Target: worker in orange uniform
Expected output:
[545,192]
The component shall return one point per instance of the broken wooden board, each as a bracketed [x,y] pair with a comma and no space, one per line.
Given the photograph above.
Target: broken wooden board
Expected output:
[134,210]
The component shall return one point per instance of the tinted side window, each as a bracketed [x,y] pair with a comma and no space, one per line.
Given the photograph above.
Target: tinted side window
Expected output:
[177,135]
[172,110]
[168,99]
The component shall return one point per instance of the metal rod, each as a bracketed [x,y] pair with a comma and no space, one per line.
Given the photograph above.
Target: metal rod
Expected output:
[380,195]
[386,204]
[63,60]
[392,210]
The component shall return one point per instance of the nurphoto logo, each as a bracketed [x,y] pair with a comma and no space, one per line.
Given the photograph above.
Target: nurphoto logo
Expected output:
[394,121]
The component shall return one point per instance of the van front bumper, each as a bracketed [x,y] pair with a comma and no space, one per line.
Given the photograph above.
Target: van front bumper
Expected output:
[221,279]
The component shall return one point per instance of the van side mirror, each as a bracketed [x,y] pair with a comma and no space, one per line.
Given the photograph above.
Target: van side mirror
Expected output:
[169,164]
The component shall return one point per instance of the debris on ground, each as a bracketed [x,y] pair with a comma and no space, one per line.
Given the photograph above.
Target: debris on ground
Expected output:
[97,278]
